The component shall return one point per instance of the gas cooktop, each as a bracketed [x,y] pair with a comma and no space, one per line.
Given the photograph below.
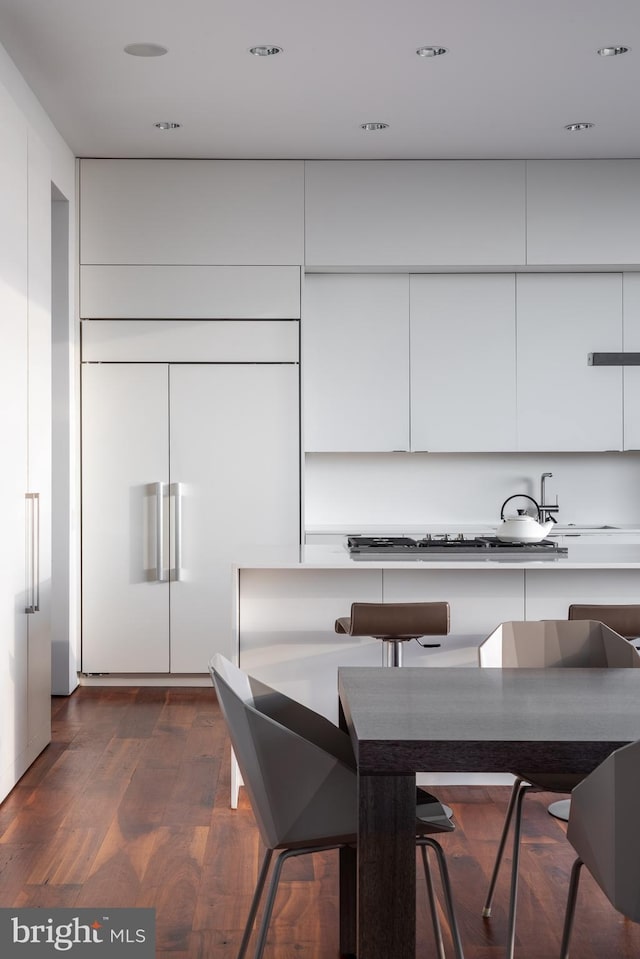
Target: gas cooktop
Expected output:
[405,547]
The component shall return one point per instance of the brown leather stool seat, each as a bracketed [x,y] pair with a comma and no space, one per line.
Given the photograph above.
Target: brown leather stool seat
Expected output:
[395,624]
[622,619]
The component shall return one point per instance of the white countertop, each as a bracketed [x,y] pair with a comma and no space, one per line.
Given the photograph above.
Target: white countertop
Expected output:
[469,529]
[615,556]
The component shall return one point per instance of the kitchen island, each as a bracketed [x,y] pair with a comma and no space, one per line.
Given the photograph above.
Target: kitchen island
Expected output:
[288,601]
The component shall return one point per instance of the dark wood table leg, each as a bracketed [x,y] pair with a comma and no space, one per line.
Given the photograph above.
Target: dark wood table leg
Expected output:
[348,875]
[348,902]
[386,867]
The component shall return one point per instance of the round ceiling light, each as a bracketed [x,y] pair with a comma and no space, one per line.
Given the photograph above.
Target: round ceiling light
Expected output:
[431,51]
[265,50]
[145,50]
[579,126]
[377,125]
[167,125]
[612,51]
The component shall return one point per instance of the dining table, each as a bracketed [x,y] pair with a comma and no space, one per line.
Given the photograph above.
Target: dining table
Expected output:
[455,719]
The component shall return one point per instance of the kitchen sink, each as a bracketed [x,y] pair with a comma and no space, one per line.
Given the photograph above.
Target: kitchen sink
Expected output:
[580,526]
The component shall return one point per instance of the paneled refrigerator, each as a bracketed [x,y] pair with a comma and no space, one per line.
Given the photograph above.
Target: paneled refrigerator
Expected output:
[184,466]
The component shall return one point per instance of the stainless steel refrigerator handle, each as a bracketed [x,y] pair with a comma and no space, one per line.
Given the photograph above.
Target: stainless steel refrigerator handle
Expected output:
[176,489]
[159,531]
[36,562]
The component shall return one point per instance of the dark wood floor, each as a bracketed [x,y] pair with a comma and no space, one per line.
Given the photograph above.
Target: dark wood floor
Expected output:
[129,806]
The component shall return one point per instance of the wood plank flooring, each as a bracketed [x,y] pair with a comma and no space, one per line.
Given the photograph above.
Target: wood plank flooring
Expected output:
[129,806]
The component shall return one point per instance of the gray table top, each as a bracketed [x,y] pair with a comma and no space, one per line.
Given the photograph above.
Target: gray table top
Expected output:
[468,719]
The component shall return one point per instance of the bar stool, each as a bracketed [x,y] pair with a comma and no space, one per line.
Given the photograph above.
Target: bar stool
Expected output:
[622,618]
[395,624]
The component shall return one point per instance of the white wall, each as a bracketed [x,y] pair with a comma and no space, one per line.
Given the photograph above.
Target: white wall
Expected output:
[409,489]
[65,596]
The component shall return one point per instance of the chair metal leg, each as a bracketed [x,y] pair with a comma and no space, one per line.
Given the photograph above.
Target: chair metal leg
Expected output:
[571,908]
[448,897]
[513,897]
[273,888]
[560,809]
[515,789]
[255,902]
[433,905]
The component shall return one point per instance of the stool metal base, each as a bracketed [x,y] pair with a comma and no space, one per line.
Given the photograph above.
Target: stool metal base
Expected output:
[391,653]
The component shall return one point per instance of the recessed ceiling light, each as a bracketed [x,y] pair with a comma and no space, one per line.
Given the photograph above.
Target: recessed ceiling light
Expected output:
[579,126]
[374,126]
[145,50]
[612,51]
[431,51]
[167,125]
[265,50]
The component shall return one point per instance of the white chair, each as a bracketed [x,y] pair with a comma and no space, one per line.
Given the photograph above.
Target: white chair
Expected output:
[603,829]
[299,772]
[545,644]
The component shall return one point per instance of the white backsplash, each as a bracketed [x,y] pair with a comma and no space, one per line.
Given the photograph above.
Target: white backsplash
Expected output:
[405,489]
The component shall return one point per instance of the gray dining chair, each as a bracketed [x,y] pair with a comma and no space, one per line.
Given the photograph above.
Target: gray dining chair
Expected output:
[544,644]
[624,618]
[300,776]
[603,830]
[395,624]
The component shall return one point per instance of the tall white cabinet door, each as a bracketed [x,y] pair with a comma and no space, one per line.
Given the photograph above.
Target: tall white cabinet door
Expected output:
[355,347]
[125,456]
[39,464]
[235,455]
[463,362]
[13,430]
[564,404]
[631,374]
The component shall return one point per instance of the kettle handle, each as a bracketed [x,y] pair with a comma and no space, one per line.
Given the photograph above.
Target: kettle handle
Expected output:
[520,496]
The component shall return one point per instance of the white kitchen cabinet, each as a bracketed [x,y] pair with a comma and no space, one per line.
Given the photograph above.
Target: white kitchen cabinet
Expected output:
[13,420]
[549,593]
[184,466]
[355,348]
[230,212]
[631,344]
[287,634]
[463,373]
[563,403]
[414,213]
[478,599]
[25,425]
[39,432]
[583,212]
[190,292]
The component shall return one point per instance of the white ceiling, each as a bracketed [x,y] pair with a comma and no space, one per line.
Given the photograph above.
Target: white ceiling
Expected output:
[517,71]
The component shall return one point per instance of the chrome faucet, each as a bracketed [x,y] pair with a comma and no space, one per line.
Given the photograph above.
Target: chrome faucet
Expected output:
[547,510]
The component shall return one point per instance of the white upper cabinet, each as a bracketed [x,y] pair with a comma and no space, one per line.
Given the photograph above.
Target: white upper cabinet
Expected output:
[583,212]
[191,212]
[463,347]
[414,213]
[355,347]
[631,374]
[563,403]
